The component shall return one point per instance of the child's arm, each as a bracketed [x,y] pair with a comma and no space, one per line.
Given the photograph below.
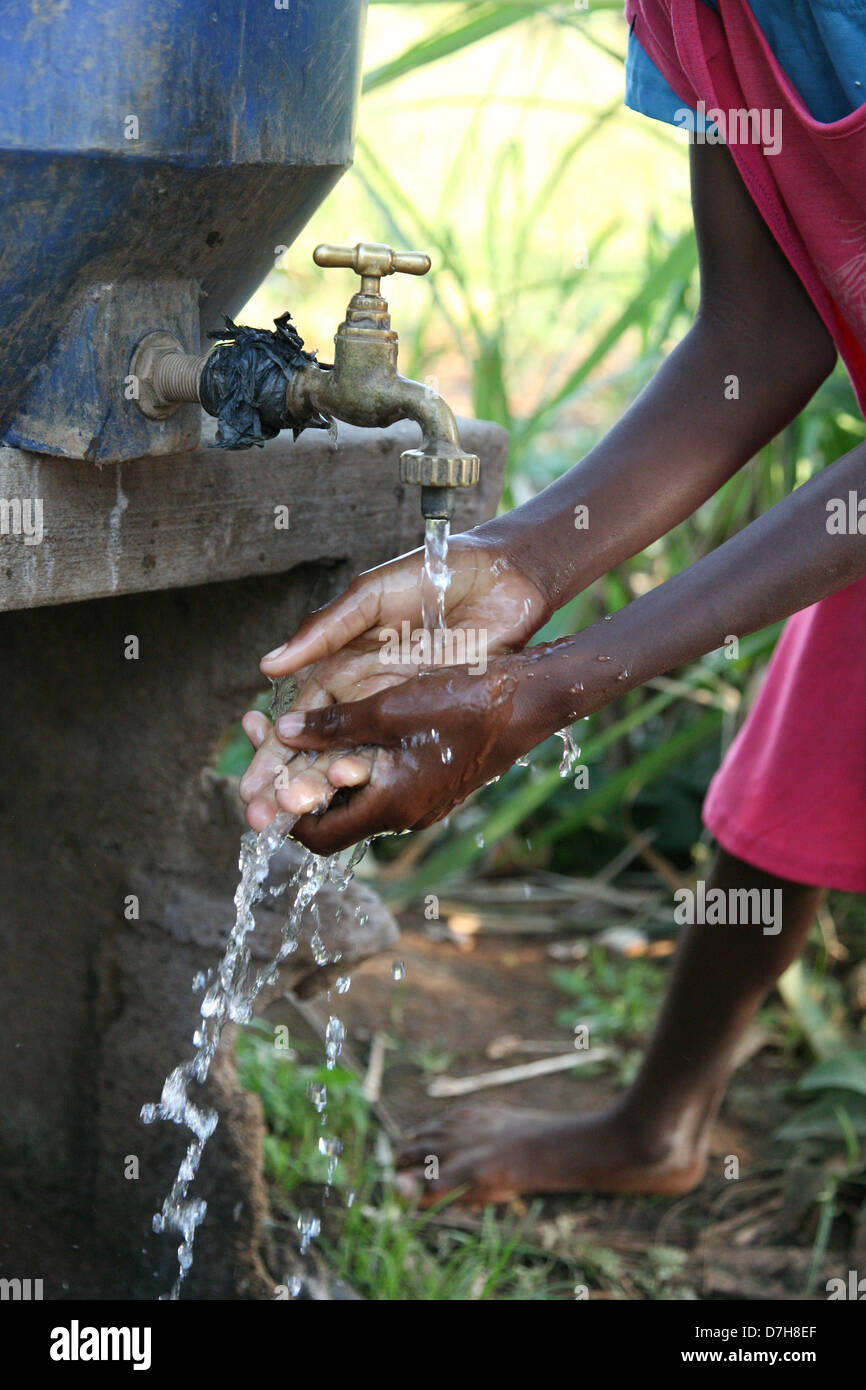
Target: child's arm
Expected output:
[782,562]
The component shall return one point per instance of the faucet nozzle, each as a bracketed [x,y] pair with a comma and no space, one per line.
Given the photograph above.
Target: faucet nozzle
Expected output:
[439,471]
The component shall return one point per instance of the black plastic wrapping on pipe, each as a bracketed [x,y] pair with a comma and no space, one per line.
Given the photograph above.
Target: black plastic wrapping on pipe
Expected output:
[244,383]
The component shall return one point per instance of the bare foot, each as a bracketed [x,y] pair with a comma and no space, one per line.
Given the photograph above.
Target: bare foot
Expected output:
[497,1152]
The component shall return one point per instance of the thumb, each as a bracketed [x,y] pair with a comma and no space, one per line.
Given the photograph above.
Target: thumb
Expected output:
[328,630]
[335,726]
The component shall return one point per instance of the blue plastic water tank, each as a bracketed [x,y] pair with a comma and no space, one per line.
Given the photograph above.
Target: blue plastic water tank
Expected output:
[153,157]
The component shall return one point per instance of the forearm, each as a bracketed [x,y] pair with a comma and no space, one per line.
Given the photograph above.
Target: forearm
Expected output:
[678,443]
[787,559]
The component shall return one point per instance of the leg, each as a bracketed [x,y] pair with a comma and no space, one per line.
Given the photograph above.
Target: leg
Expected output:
[654,1138]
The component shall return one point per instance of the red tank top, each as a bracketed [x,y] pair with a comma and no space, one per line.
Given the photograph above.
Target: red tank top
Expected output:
[812,193]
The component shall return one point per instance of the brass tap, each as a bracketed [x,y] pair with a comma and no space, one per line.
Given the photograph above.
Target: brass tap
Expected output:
[364,387]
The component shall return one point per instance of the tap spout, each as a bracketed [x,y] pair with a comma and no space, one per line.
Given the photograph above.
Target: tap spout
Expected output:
[367,390]
[257,381]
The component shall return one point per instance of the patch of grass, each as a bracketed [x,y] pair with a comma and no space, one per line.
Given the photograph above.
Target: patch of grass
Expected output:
[381,1246]
[387,1252]
[616,997]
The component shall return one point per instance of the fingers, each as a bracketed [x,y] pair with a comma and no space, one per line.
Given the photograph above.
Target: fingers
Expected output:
[350,770]
[326,631]
[307,791]
[347,726]
[260,812]
[369,810]
[271,756]
[313,787]
[256,726]
[364,814]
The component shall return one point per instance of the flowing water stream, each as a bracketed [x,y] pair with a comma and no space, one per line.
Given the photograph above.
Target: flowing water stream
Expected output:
[437,575]
[231,991]
[233,987]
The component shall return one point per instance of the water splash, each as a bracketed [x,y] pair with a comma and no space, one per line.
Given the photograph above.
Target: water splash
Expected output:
[437,575]
[229,998]
[309,1226]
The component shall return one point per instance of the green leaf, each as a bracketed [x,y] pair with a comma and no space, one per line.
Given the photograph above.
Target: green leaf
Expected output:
[845,1072]
[468,27]
[827,1118]
[801,993]
[679,263]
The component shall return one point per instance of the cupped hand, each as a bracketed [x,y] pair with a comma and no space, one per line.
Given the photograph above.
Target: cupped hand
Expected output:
[486,593]
[339,654]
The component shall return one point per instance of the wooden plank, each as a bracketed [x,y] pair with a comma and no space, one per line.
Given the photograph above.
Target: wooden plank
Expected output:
[164,523]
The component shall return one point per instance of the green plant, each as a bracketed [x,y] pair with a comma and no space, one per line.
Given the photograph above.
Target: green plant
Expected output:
[383,1248]
[615,996]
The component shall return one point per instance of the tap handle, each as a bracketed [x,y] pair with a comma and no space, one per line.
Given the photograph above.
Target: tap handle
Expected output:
[371,260]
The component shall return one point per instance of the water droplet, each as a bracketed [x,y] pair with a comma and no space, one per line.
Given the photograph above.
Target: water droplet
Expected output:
[309,1226]
[398,970]
[334,1037]
[318,1094]
[570,752]
[198,982]
[321,954]
[479,840]
[342,984]
[211,1001]
[331,1148]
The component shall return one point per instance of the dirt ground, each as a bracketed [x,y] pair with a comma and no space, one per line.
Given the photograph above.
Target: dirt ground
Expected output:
[752,1238]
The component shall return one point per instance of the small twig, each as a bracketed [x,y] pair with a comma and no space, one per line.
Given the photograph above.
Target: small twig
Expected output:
[372,1087]
[626,855]
[442,1086]
[666,872]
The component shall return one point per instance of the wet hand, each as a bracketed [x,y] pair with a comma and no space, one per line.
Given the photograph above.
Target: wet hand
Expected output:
[427,743]
[485,594]
[281,780]
[345,652]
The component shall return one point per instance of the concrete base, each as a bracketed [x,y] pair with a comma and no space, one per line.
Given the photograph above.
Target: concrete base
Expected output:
[106,793]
